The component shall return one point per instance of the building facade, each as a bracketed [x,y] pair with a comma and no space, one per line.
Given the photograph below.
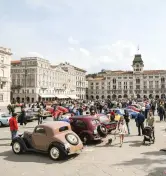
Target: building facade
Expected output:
[138,83]
[5,60]
[35,79]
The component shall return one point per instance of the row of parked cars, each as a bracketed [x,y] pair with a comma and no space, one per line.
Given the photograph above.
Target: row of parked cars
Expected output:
[59,138]
[65,137]
[30,115]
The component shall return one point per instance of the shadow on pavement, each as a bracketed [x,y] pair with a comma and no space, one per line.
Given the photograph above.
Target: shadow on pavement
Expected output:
[32,157]
[5,145]
[5,139]
[159,171]
[145,162]
[134,143]
[155,153]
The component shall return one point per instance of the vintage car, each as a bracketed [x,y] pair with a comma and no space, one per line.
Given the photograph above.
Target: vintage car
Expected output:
[53,138]
[105,121]
[4,119]
[88,128]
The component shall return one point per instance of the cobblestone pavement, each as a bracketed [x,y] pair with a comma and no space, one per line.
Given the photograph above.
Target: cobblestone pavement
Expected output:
[96,160]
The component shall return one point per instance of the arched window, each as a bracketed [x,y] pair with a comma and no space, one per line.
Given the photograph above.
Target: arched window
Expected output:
[108,96]
[137,81]
[114,81]
[97,97]
[102,96]
[162,79]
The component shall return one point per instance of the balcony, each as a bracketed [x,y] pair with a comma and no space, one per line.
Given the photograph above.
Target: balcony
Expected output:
[16,87]
[4,79]
[44,87]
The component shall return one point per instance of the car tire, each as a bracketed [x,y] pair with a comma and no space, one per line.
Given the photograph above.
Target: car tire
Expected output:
[102,130]
[85,138]
[1,124]
[17,147]
[56,152]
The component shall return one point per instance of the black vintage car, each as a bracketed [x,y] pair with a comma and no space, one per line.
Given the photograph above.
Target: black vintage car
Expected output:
[29,115]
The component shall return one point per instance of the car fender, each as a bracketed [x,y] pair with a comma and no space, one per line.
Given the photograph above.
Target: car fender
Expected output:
[62,147]
[21,141]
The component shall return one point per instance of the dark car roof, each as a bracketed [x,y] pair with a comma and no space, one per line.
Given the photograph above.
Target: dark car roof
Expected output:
[84,117]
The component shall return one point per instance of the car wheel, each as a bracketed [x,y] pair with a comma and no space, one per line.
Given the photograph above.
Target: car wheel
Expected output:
[17,147]
[102,130]
[1,124]
[85,138]
[56,152]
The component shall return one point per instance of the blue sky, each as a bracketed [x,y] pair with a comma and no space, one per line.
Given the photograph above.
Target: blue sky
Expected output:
[91,34]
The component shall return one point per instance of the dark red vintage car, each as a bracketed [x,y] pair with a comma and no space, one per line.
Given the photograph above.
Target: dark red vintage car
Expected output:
[88,128]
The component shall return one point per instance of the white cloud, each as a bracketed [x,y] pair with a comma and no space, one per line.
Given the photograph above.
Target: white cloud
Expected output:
[71,49]
[73,41]
[34,54]
[85,51]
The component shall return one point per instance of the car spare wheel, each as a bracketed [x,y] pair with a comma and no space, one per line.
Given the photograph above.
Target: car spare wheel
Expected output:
[56,152]
[102,130]
[72,139]
[17,147]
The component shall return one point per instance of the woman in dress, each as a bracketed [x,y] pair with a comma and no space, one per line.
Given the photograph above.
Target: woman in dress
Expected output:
[122,129]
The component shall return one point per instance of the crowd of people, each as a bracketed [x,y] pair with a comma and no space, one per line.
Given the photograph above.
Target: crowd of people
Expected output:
[76,108]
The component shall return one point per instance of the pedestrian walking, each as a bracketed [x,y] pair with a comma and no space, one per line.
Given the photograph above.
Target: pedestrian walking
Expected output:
[40,116]
[140,123]
[13,126]
[127,120]
[122,129]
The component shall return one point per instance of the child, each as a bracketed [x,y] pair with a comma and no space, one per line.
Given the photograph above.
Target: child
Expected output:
[122,129]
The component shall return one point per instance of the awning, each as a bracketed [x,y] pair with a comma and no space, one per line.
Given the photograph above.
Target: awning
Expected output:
[73,97]
[61,96]
[46,96]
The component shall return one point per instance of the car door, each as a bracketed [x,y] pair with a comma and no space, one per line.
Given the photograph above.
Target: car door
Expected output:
[40,139]
[79,126]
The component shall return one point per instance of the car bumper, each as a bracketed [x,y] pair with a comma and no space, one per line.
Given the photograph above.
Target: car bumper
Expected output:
[74,149]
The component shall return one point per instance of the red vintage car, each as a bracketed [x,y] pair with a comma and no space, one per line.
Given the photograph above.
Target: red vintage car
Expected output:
[59,108]
[133,108]
[105,121]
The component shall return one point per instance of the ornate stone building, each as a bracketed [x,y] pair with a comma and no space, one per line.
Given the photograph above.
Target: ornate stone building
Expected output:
[138,83]
[35,79]
[5,59]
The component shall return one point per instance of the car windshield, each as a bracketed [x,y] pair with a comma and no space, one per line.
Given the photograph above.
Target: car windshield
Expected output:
[103,118]
[95,122]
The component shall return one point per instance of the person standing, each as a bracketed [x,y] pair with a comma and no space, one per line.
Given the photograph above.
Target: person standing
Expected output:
[127,120]
[122,129]
[13,126]
[161,112]
[140,123]
[40,116]
[150,121]
[147,108]
[23,117]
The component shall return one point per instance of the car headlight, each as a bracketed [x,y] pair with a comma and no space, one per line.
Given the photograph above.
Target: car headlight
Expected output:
[67,145]
[95,131]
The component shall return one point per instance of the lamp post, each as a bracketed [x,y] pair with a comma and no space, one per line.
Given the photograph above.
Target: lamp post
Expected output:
[25,73]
